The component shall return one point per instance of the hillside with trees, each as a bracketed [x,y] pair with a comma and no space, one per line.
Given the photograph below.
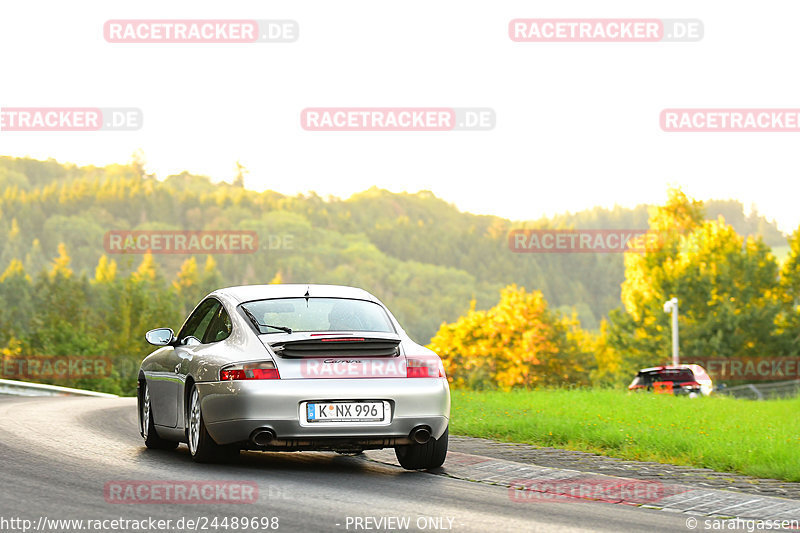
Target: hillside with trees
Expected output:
[61,293]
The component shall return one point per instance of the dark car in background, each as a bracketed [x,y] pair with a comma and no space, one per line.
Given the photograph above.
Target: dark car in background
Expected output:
[691,380]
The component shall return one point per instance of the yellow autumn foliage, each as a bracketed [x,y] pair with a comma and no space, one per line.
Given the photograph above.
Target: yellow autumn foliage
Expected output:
[517,343]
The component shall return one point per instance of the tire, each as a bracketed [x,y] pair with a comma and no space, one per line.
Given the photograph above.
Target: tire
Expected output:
[147,427]
[423,456]
[202,447]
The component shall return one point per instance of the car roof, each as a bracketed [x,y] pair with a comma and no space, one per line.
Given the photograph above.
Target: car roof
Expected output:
[670,367]
[248,293]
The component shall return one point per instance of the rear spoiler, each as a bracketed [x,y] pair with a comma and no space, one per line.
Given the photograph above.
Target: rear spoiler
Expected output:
[338,345]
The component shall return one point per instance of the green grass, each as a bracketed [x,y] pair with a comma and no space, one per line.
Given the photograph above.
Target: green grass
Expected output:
[760,439]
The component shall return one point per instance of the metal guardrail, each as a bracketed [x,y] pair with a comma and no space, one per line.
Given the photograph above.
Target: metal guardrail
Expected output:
[24,388]
[763,391]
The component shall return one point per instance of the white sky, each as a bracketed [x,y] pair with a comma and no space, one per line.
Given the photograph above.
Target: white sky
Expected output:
[577,123]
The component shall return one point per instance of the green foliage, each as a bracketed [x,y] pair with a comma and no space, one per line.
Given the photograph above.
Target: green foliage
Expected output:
[55,203]
[728,288]
[60,314]
[788,320]
[61,292]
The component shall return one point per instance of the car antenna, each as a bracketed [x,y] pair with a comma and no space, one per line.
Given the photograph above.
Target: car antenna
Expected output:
[307,295]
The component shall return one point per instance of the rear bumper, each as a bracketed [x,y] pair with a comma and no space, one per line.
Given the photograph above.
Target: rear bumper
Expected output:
[232,410]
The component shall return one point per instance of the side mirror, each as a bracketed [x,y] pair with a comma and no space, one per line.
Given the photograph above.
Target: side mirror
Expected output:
[160,336]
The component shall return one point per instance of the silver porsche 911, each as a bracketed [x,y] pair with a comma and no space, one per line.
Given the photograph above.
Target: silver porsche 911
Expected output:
[293,367]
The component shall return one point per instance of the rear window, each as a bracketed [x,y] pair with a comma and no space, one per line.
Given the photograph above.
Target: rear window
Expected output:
[320,314]
[679,375]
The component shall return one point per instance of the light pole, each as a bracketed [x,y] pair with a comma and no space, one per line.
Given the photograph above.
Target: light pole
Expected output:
[671,306]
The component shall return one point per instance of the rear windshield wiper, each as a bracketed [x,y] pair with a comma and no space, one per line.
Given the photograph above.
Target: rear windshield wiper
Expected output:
[259,325]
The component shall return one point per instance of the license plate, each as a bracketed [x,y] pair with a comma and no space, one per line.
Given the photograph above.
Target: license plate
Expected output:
[344,412]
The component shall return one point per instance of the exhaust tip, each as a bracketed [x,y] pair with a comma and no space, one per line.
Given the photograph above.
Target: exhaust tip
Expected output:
[262,437]
[421,435]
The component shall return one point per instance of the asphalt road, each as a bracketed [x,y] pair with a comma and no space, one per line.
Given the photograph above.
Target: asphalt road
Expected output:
[58,454]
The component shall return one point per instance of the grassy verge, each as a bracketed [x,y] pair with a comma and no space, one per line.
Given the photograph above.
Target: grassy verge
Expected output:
[756,438]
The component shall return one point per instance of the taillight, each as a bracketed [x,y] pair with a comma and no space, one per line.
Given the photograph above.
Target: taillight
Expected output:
[427,367]
[263,370]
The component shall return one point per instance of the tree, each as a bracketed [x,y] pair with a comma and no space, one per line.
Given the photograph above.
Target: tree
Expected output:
[13,247]
[106,270]
[241,172]
[190,286]
[138,162]
[35,259]
[60,266]
[148,269]
[16,308]
[727,287]
[210,279]
[789,320]
[608,369]
[517,343]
